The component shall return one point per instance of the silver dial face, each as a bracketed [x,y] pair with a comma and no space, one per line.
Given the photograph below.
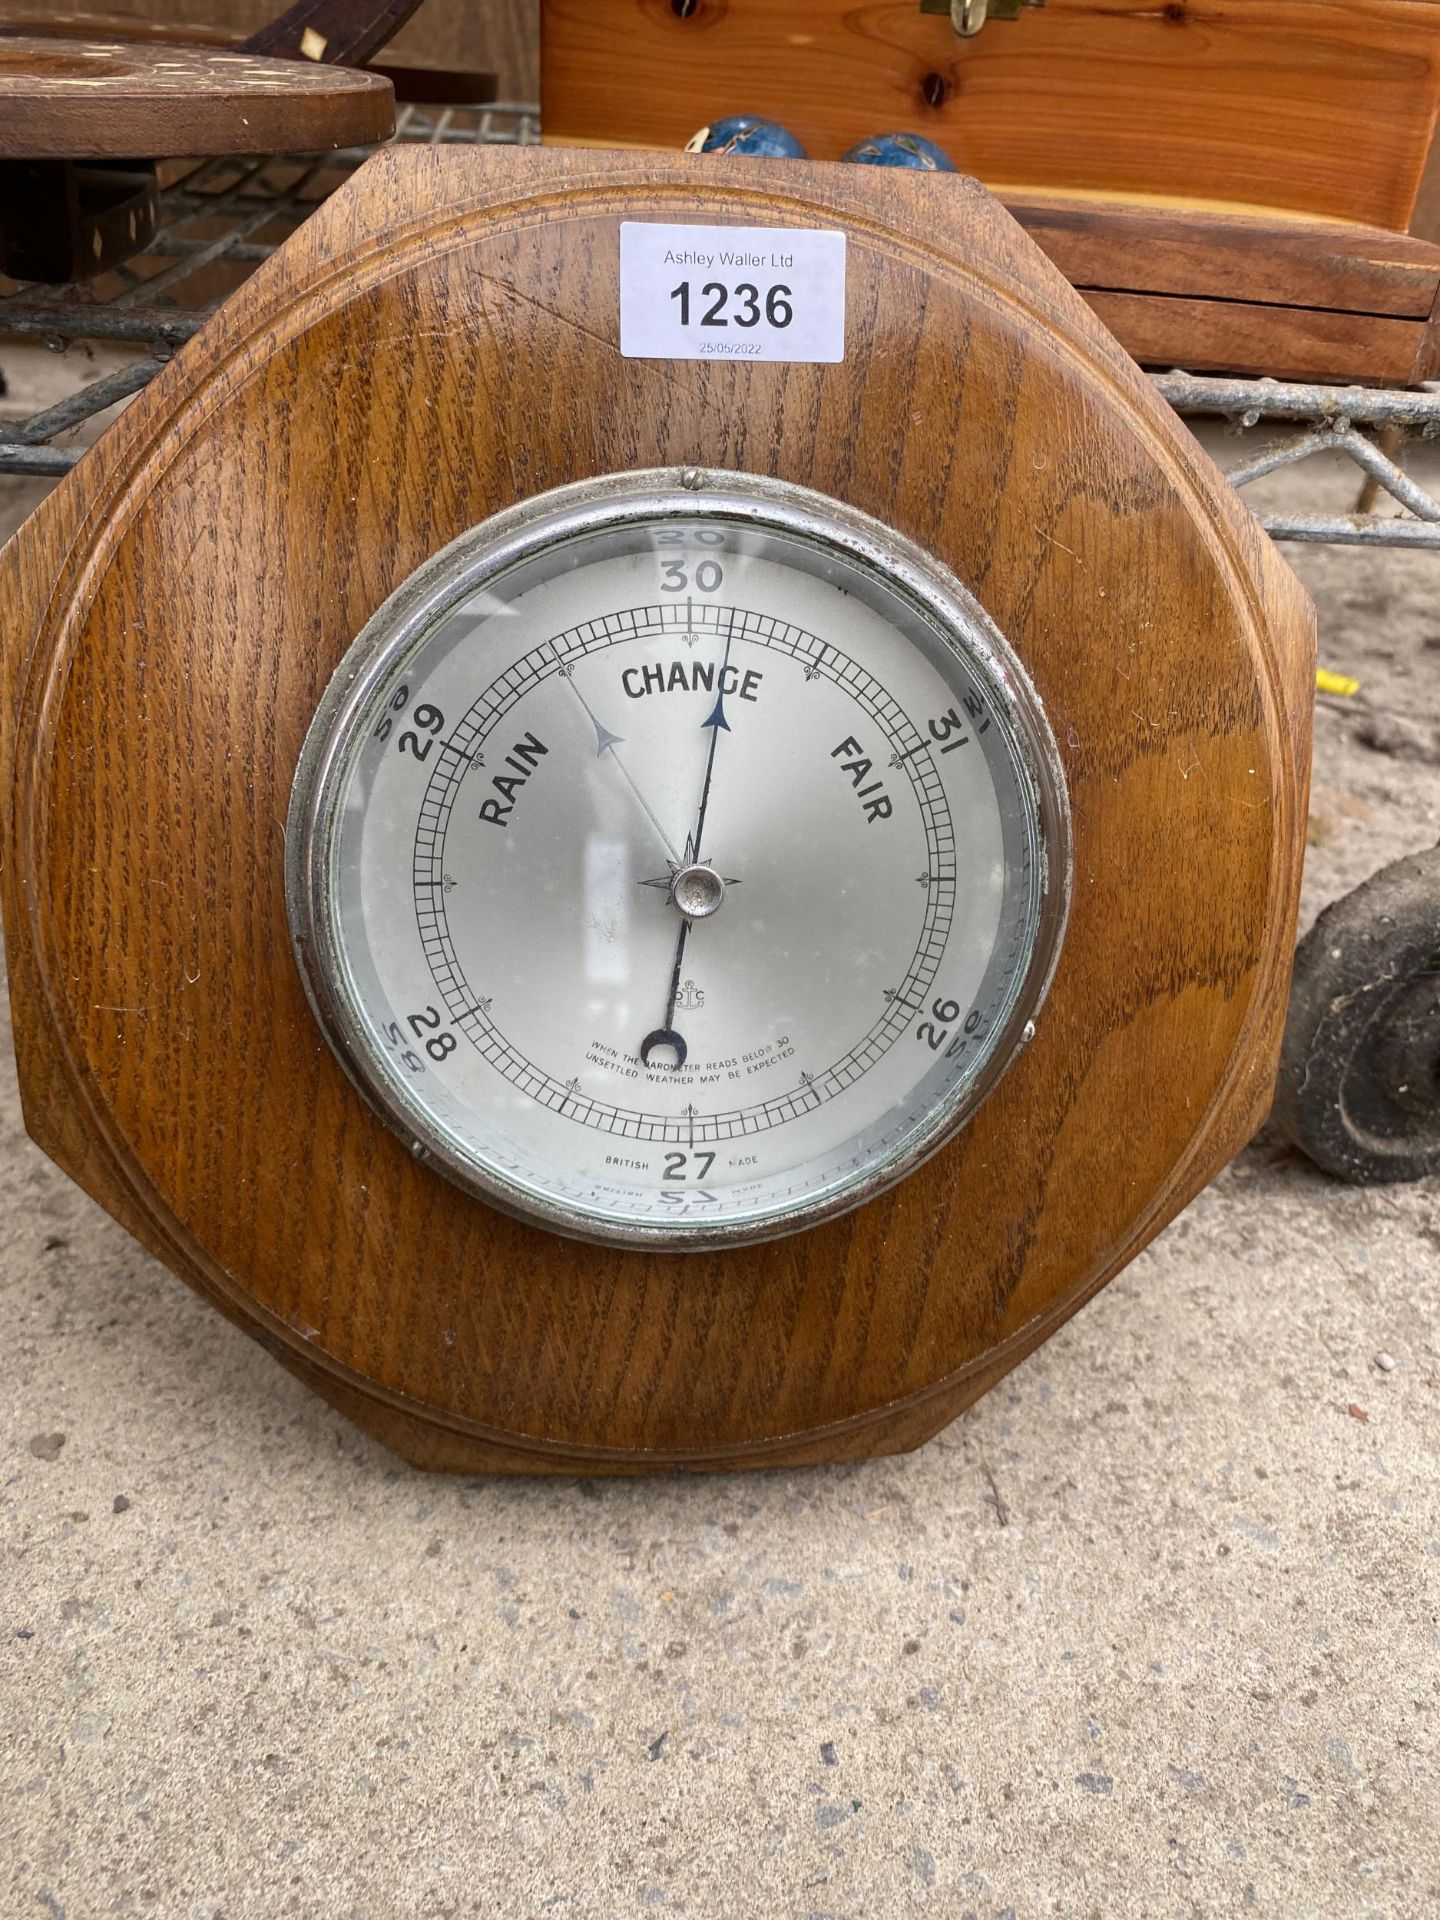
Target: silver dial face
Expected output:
[678,859]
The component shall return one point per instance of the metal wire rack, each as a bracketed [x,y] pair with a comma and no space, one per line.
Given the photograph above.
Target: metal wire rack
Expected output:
[1369,426]
[220,218]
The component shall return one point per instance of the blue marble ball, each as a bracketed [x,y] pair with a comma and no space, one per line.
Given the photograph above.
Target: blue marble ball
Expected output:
[747,133]
[901,150]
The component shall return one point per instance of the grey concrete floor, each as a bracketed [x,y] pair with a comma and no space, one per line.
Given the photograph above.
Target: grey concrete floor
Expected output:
[1152,1631]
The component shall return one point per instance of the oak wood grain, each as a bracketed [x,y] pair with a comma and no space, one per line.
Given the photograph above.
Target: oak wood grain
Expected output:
[439,341]
[1319,106]
[99,99]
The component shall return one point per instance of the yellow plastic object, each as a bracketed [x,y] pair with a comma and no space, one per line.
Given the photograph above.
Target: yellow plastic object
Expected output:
[1341,683]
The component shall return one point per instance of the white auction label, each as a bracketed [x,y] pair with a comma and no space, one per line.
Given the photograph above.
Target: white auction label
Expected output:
[731,293]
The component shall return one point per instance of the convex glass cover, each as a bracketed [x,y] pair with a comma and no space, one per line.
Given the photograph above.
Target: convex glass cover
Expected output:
[678,858]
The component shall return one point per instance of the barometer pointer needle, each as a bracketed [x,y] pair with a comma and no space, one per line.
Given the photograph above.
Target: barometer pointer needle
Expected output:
[666,1036]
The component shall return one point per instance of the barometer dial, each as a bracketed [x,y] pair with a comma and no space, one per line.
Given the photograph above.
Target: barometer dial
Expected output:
[678,859]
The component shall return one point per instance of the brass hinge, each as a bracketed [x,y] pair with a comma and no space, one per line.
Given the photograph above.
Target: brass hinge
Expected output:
[969,16]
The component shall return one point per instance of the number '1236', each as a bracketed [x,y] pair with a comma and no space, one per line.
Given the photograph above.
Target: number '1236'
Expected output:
[746,312]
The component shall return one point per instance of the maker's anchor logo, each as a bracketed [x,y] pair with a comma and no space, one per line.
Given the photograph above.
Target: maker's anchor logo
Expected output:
[689,997]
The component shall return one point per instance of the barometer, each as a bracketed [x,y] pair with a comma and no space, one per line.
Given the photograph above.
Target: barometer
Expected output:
[652,810]
[678,858]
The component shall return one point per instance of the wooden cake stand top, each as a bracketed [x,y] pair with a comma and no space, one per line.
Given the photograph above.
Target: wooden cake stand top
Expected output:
[103,100]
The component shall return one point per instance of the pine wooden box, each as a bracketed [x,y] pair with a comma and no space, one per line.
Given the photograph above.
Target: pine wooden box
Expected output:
[1321,107]
[1226,181]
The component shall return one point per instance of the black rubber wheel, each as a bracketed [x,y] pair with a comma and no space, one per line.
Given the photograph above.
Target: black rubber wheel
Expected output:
[1359,1088]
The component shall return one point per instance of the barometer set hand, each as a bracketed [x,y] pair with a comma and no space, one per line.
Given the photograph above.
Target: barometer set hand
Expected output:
[607,742]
